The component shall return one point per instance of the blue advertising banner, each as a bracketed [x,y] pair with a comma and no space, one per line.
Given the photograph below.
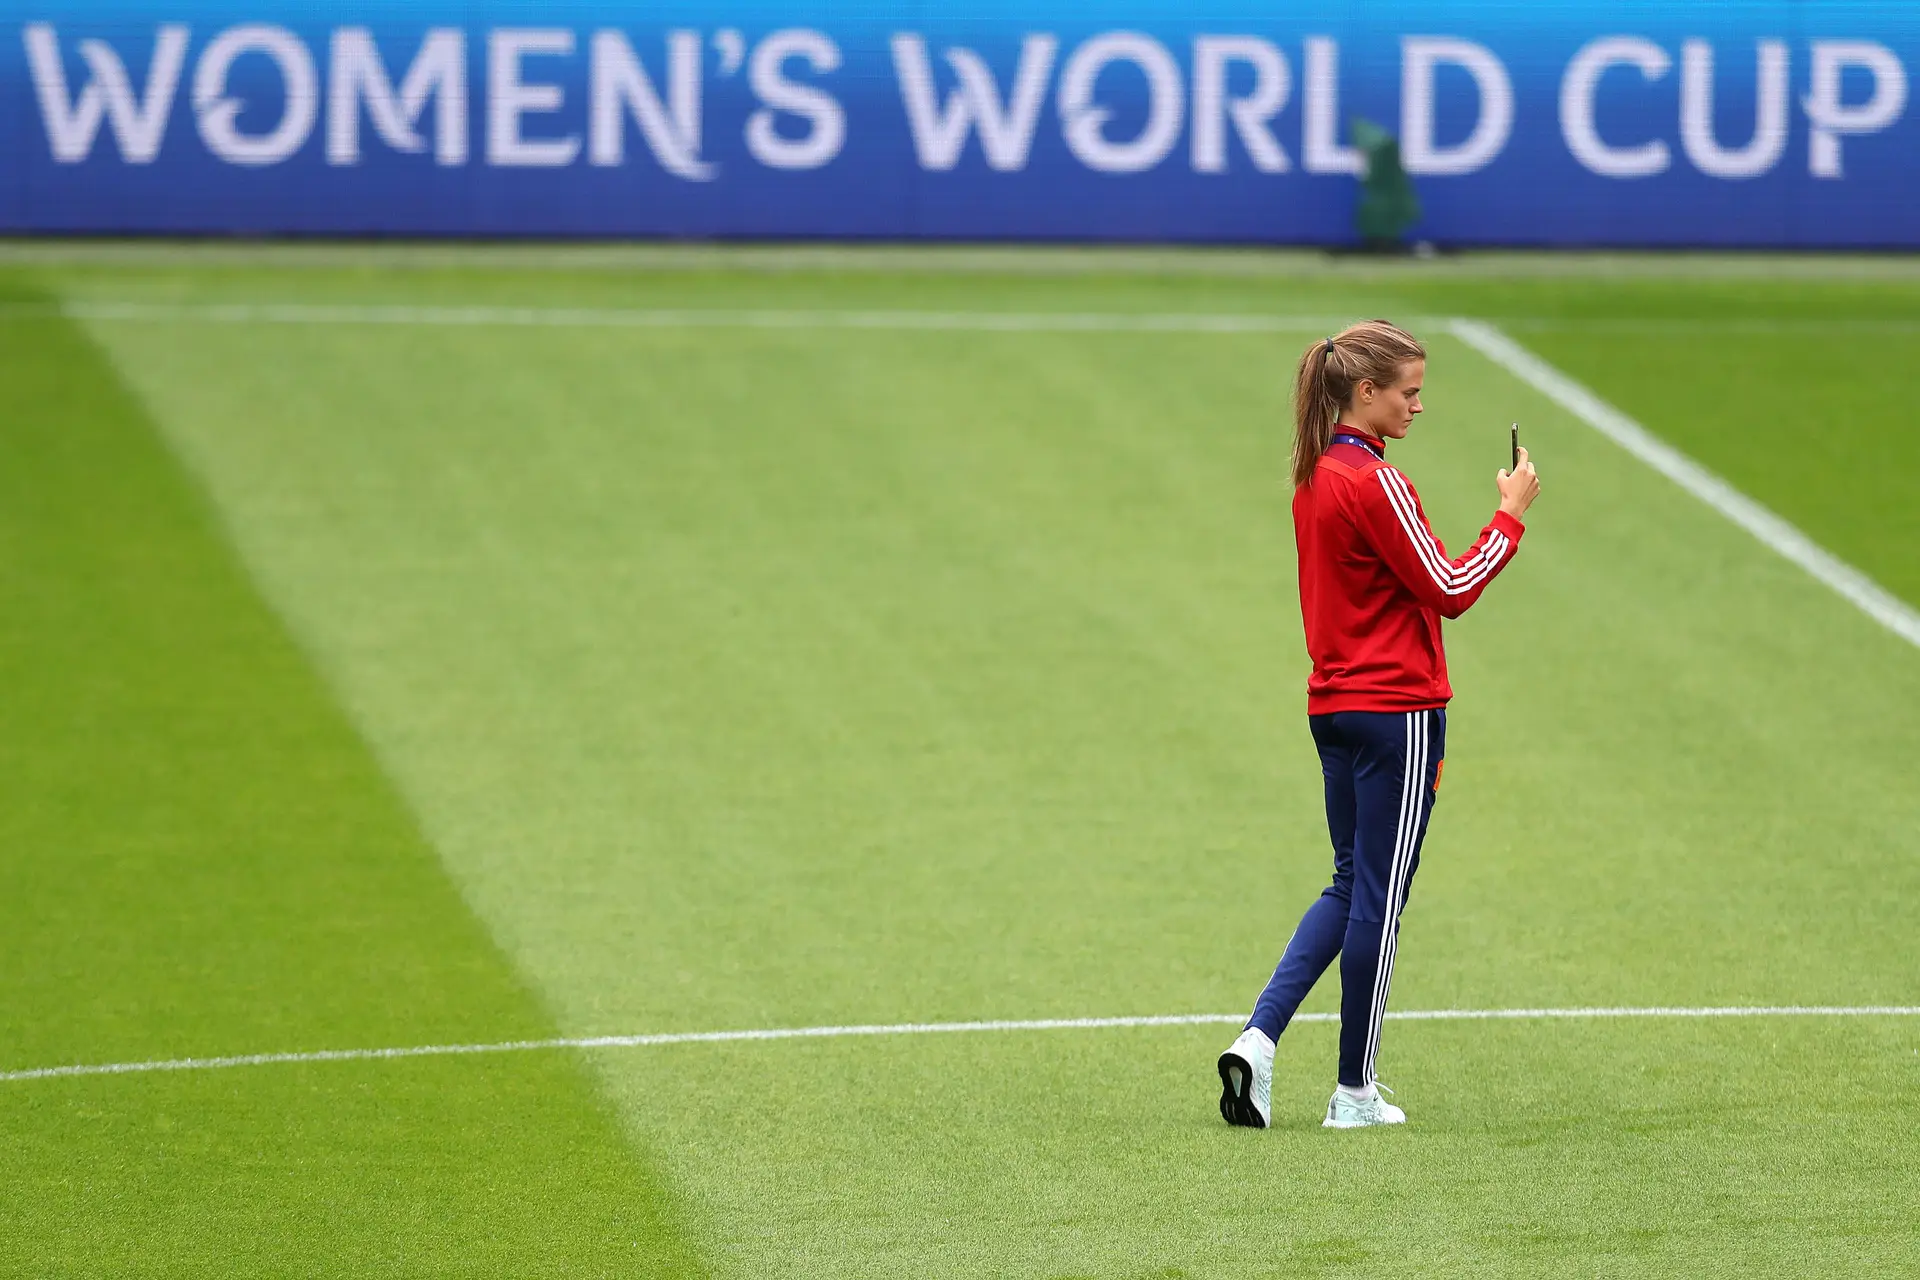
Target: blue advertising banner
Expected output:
[1740,122]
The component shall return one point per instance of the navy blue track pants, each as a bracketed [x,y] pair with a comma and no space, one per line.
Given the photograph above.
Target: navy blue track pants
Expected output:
[1382,772]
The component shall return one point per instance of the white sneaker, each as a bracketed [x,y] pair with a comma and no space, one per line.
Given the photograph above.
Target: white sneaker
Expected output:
[1246,1080]
[1344,1112]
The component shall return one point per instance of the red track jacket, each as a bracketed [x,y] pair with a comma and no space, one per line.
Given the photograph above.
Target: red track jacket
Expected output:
[1375,582]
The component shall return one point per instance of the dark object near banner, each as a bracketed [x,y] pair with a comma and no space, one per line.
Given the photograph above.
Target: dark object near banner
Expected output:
[1388,205]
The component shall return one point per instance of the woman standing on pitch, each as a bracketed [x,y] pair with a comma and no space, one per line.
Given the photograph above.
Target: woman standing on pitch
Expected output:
[1374,584]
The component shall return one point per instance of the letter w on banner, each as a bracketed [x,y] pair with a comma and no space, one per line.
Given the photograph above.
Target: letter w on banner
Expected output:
[139,123]
[1006,130]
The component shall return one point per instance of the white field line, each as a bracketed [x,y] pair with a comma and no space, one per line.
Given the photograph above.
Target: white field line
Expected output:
[827,318]
[934,1028]
[244,313]
[1845,580]
[885,319]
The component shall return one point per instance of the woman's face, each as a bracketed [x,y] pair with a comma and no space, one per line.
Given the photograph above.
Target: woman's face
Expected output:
[1388,411]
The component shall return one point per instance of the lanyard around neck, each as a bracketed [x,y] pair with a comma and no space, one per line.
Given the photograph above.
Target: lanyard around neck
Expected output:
[1342,437]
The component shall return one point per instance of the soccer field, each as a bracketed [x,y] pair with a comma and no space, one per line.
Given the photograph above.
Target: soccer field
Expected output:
[414,648]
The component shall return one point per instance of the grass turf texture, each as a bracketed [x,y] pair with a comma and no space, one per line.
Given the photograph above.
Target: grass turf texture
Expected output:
[751,679]
[202,859]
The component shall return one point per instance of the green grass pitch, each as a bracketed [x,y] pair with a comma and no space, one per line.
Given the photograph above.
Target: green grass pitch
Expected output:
[392,684]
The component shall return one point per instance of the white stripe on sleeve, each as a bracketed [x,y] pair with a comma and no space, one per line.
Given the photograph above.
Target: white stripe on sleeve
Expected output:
[1451,580]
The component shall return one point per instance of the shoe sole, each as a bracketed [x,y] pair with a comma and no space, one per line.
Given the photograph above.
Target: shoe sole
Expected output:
[1331,1123]
[1236,1097]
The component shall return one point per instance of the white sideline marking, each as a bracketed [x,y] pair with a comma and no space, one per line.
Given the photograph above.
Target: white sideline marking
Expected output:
[682,318]
[1848,582]
[827,318]
[981,321]
[932,1028]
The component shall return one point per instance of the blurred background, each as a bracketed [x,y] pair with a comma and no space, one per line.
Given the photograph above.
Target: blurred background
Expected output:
[1757,123]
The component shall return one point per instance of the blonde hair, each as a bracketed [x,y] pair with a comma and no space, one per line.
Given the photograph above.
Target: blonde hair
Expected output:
[1373,350]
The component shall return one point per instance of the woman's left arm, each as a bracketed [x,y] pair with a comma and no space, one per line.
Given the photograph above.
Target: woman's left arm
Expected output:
[1396,525]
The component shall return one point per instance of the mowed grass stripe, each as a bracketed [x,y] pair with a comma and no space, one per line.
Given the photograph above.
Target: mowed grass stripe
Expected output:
[1805,420]
[197,851]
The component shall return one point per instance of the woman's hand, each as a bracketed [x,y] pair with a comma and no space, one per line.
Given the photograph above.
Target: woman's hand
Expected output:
[1518,487]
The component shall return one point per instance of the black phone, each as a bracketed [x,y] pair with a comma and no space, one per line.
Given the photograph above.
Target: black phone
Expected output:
[1515,464]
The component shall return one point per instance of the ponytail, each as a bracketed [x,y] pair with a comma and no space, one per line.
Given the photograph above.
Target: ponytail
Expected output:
[1371,351]
[1314,411]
